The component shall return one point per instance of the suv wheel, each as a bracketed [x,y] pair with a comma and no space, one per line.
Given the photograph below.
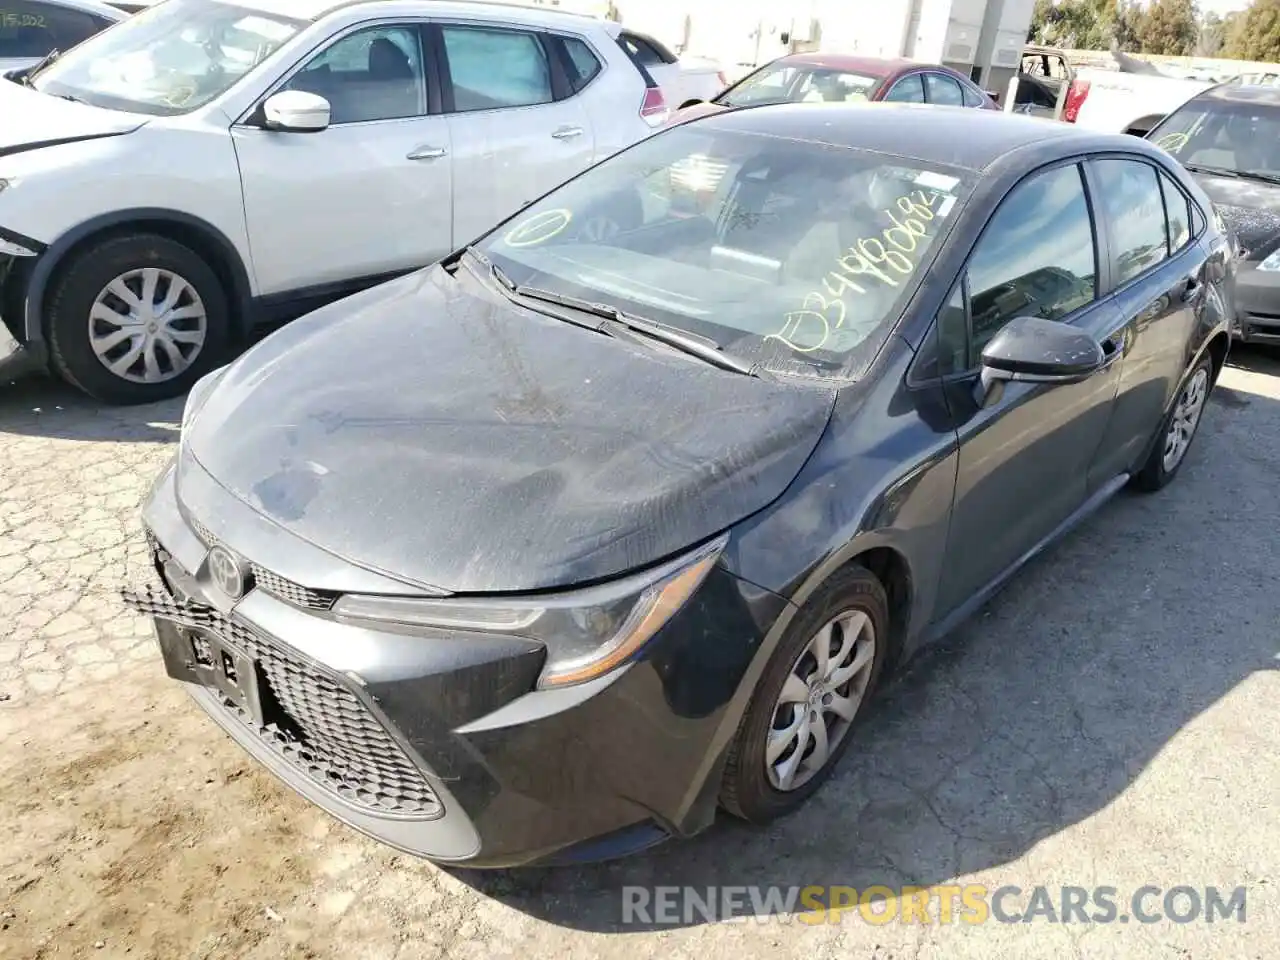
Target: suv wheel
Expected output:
[136,319]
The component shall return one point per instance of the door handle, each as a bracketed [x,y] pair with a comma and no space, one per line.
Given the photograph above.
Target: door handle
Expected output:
[1113,348]
[427,153]
[568,133]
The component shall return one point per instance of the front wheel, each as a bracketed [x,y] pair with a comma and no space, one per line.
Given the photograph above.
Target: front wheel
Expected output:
[137,319]
[812,692]
[1177,431]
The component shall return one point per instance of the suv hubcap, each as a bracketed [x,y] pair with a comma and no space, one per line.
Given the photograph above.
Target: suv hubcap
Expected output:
[147,325]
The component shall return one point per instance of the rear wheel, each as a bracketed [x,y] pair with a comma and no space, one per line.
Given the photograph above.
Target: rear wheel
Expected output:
[1177,431]
[811,695]
[136,319]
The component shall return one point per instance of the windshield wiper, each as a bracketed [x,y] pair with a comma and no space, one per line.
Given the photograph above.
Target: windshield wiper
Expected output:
[48,58]
[1214,171]
[695,346]
[689,343]
[1263,176]
[700,347]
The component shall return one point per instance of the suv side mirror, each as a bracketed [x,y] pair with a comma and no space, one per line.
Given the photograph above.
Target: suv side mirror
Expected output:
[295,111]
[1035,350]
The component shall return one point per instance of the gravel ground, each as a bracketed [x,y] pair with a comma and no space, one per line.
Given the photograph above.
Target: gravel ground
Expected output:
[1110,719]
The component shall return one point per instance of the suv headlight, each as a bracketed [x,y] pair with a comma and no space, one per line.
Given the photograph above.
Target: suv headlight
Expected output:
[1272,262]
[587,633]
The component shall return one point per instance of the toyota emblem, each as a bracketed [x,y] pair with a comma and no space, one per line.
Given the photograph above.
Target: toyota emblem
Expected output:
[226,572]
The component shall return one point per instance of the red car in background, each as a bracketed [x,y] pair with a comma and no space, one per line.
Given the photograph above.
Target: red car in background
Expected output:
[827,77]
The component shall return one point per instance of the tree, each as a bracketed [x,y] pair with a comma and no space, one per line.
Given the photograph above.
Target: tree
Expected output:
[1084,24]
[1255,33]
[1213,35]
[1169,27]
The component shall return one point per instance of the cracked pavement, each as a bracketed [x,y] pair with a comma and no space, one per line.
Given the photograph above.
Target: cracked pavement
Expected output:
[1110,719]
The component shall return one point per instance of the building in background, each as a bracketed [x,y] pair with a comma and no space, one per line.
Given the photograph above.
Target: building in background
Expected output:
[981,38]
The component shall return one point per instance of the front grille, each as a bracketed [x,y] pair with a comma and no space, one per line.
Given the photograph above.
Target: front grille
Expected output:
[311,721]
[273,583]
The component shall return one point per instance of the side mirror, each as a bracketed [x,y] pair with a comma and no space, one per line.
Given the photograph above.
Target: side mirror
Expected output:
[296,111]
[994,95]
[1034,350]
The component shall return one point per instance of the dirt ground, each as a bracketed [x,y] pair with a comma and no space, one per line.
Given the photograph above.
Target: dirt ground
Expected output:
[1112,718]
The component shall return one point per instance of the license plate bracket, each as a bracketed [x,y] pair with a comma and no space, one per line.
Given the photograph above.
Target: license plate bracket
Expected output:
[224,668]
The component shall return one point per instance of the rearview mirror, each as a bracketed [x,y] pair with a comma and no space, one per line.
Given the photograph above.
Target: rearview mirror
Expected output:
[296,111]
[1035,350]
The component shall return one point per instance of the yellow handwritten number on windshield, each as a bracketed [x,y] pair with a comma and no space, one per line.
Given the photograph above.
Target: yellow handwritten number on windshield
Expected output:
[884,258]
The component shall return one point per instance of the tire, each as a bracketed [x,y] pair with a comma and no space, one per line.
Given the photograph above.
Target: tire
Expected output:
[1158,471]
[750,789]
[84,279]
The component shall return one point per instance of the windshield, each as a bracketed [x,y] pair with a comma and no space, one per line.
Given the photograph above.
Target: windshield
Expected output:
[793,254]
[779,83]
[169,59]
[1227,134]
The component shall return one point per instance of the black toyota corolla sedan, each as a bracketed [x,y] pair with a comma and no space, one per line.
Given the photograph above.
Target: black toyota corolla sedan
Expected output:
[619,516]
[1229,139]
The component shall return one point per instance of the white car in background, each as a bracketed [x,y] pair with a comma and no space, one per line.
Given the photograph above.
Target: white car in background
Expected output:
[206,166]
[682,78]
[32,29]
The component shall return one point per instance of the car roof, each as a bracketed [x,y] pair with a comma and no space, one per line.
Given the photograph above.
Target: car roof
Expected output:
[875,66]
[315,9]
[958,136]
[1232,92]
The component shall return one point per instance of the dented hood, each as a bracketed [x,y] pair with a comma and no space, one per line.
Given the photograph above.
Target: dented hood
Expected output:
[432,430]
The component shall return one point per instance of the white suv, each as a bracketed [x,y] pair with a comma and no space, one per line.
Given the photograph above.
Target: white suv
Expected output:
[202,167]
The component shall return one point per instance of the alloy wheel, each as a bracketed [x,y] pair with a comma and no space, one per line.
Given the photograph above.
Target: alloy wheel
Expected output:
[1186,417]
[147,325]
[819,699]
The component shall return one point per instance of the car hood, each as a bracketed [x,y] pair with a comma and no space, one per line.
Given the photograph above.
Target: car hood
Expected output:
[1251,209]
[33,120]
[431,430]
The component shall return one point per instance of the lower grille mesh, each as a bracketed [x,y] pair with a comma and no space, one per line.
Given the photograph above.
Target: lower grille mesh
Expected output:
[321,729]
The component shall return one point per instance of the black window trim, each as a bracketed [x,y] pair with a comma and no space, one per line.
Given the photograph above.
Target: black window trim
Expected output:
[914,379]
[253,117]
[448,106]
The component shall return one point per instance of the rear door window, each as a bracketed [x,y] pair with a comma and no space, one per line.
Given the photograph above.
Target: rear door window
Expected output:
[495,68]
[907,90]
[1177,210]
[943,90]
[1130,195]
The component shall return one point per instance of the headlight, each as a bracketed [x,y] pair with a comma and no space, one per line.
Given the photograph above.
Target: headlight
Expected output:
[587,632]
[1272,262]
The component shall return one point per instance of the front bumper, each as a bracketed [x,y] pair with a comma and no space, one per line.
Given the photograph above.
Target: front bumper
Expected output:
[1257,305]
[437,743]
[16,355]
